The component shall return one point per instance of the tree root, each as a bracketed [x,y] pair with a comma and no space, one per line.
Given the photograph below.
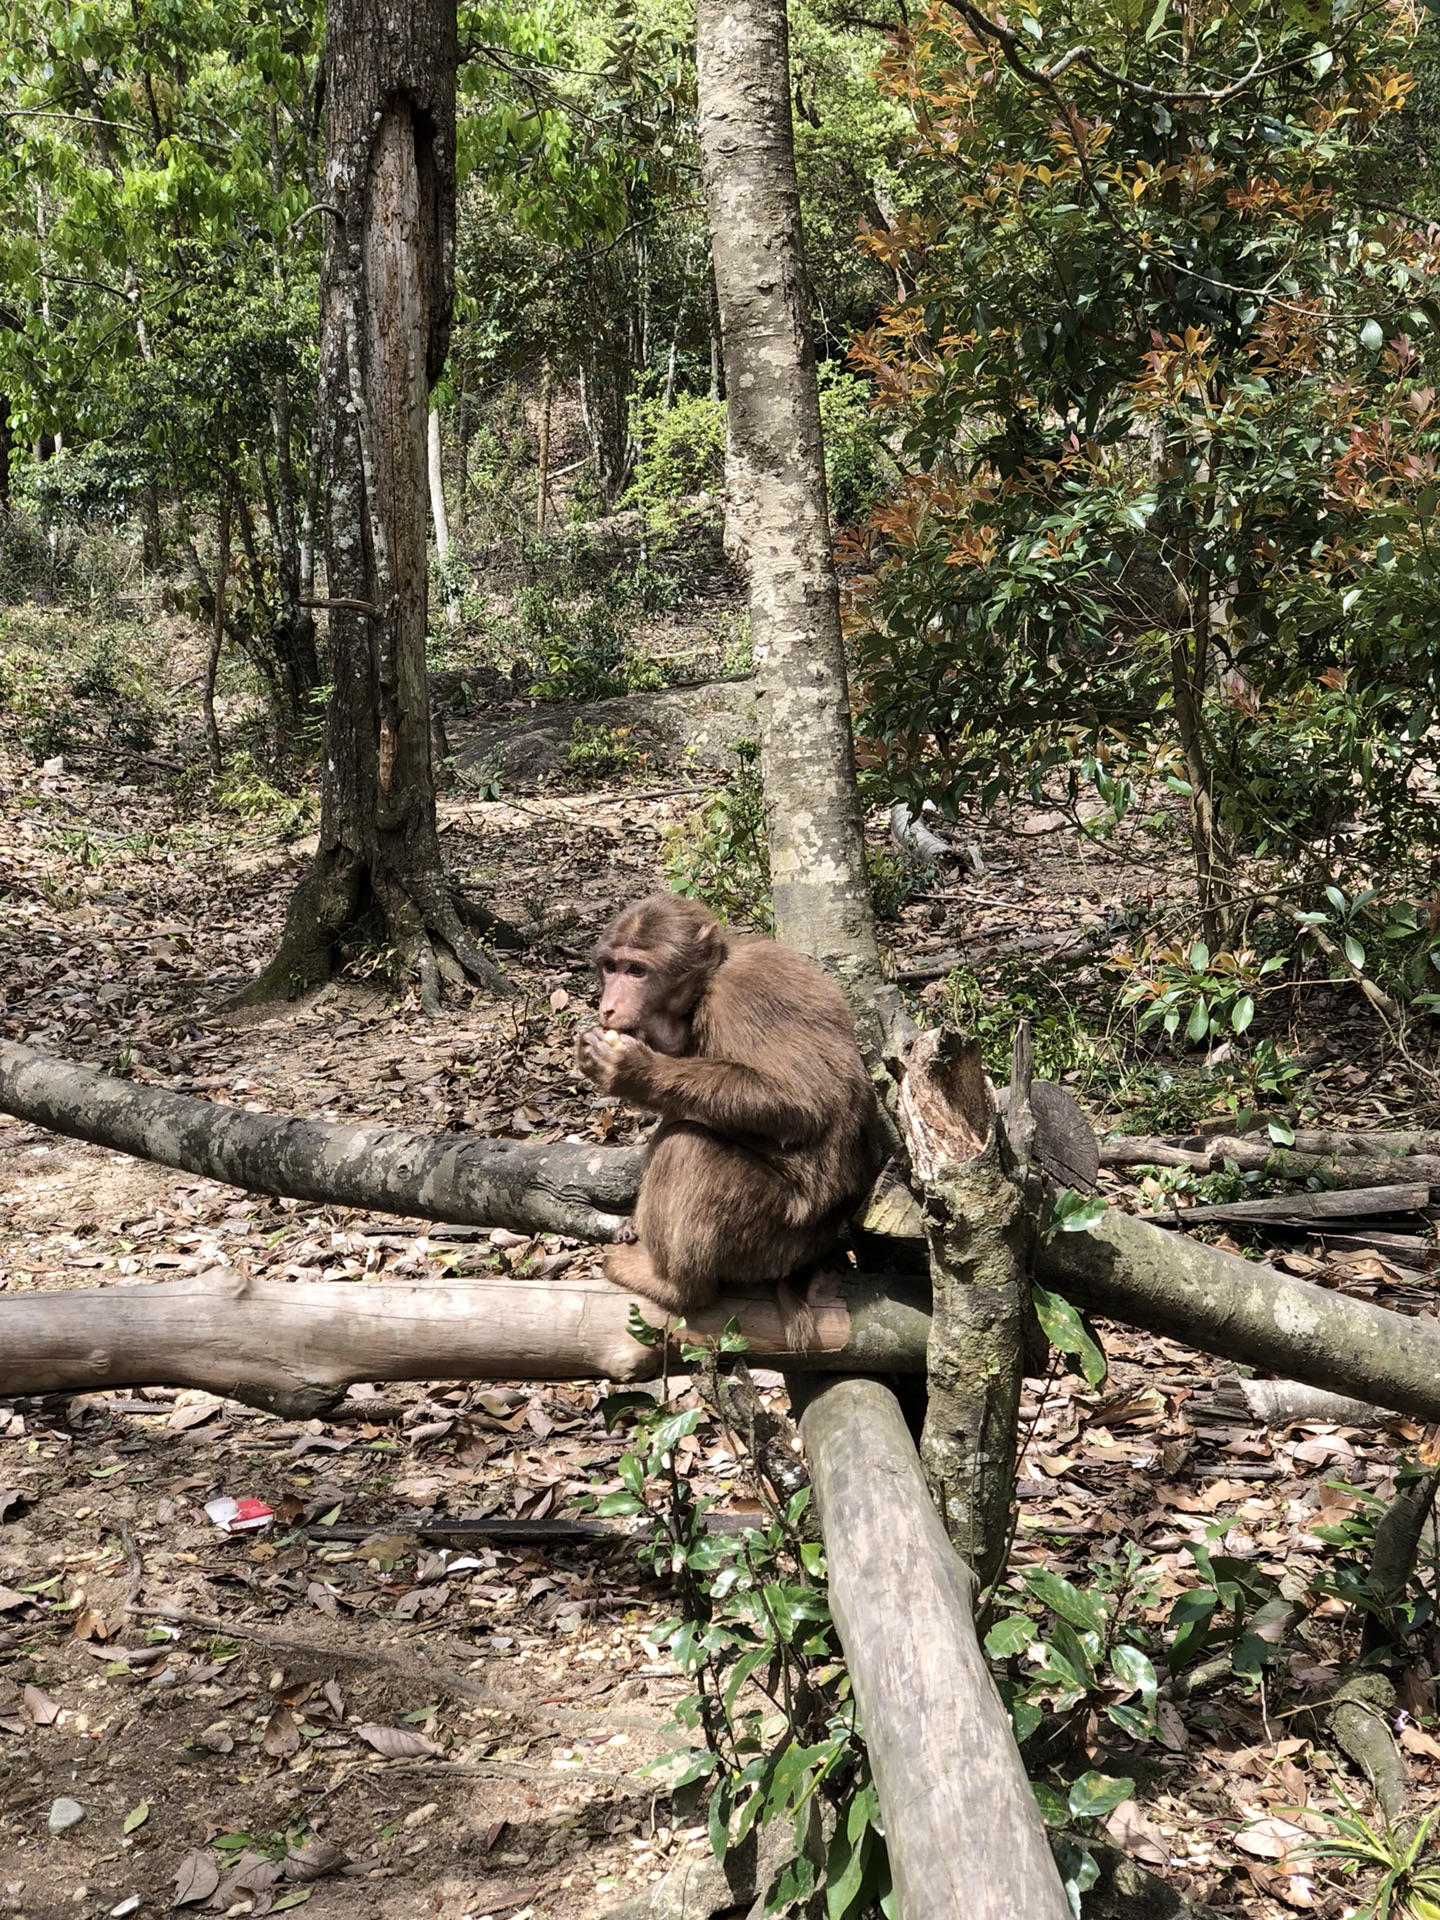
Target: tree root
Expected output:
[1359,1719]
[424,925]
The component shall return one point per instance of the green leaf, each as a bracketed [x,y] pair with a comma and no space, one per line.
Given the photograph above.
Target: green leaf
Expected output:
[1010,1636]
[1372,336]
[1281,1132]
[613,1503]
[1354,952]
[1198,1025]
[1242,1013]
[1054,1807]
[136,1817]
[1199,957]
[1065,1600]
[1094,1795]
[1132,1668]
[1067,1332]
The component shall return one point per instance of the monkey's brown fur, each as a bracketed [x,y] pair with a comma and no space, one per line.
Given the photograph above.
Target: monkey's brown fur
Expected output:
[768,1134]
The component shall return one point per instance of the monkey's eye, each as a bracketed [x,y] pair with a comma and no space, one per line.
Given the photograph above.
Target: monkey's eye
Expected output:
[637,972]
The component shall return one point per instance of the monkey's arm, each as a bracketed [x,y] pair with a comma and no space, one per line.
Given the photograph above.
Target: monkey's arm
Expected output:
[720,1094]
[723,1095]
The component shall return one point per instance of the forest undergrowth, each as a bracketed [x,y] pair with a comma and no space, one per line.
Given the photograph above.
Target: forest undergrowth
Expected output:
[371,1714]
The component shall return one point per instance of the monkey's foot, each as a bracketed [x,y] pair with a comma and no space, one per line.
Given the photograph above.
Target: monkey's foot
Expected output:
[632,1269]
[626,1235]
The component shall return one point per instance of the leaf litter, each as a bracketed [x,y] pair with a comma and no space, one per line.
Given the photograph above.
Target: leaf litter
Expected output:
[306,1718]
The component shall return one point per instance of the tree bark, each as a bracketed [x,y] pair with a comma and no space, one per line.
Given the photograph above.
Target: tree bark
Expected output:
[386,292]
[980,1232]
[217,629]
[295,1346]
[776,503]
[962,1827]
[435,468]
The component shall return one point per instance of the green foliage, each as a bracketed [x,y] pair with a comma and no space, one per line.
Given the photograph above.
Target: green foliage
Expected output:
[858,465]
[1211,996]
[770,1720]
[1398,1863]
[1165,402]
[246,789]
[580,639]
[895,880]
[1021,989]
[720,855]
[682,455]
[1349,1576]
[595,752]
[64,687]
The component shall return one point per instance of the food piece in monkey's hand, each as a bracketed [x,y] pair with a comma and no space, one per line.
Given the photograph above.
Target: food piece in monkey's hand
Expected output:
[769,1135]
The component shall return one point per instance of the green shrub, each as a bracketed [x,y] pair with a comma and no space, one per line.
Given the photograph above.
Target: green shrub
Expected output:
[719,855]
[595,752]
[682,456]
[858,466]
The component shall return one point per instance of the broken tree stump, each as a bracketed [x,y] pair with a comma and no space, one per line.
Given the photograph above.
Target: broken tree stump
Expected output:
[980,1232]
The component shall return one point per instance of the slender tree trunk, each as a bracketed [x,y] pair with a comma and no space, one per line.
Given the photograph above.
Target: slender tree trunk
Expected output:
[387,285]
[217,628]
[436,468]
[542,487]
[776,493]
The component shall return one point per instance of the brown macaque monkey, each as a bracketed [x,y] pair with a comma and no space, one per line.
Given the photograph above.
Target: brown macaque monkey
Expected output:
[768,1135]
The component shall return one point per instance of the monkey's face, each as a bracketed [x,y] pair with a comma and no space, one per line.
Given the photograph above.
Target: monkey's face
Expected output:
[636,997]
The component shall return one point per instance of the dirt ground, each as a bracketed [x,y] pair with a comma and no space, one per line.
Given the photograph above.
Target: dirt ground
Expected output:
[365,1726]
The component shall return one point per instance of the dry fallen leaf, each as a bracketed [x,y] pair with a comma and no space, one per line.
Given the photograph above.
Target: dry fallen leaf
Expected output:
[42,1709]
[282,1734]
[314,1861]
[196,1878]
[399,1743]
[1271,1838]
[1128,1828]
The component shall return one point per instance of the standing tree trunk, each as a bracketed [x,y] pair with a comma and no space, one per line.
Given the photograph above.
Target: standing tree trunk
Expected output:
[436,467]
[776,504]
[387,286]
[217,628]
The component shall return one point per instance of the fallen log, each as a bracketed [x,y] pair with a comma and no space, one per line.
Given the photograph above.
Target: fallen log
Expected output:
[1285,1208]
[293,1347]
[1129,1270]
[1341,1169]
[567,1187]
[962,1827]
[1128,1150]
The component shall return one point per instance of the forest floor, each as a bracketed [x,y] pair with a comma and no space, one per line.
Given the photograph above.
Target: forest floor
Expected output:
[271,1720]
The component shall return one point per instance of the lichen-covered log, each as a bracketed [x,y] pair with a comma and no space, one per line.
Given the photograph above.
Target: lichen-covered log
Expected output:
[962,1827]
[1244,1311]
[561,1188]
[294,1347]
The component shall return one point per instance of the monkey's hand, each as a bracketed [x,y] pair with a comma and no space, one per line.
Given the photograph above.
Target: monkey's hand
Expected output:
[617,1062]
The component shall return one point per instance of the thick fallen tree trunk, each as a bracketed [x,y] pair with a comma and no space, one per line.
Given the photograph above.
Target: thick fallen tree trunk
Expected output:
[563,1188]
[294,1348]
[1243,1311]
[297,1345]
[962,1827]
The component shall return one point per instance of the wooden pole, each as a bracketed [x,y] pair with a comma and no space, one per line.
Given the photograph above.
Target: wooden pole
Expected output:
[962,1827]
